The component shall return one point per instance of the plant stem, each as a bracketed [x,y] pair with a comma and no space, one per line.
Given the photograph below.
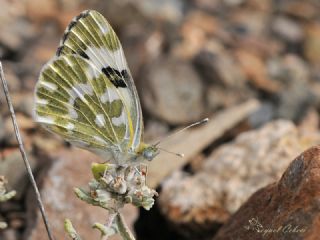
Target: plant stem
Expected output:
[124,230]
[23,152]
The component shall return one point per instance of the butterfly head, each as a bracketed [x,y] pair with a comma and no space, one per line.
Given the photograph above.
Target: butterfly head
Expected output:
[148,152]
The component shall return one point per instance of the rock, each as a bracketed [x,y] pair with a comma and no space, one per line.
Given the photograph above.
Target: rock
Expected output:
[23,102]
[48,10]
[196,205]
[25,124]
[69,169]
[310,122]
[155,130]
[10,71]
[294,75]
[193,205]
[9,137]
[15,36]
[262,116]
[295,101]
[167,10]
[217,66]
[16,28]
[288,29]
[312,43]
[208,5]
[226,82]
[13,168]
[247,22]
[219,97]
[233,3]
[9,234]
[255,70]
[2,126]
[286,209]
[195,31]
[305,10]
[173,92]
[289,69]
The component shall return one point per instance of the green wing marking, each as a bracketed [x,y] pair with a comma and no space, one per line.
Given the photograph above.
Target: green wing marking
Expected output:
[76,100]
[90,36]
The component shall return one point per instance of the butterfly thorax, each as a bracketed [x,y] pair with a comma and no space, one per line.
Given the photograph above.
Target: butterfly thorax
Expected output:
[142,154]
[147,151]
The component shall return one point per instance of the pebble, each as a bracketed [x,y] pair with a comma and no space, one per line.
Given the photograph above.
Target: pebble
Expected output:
[256,73]
[288,29]
[173,92]
[311,45]
[12,166]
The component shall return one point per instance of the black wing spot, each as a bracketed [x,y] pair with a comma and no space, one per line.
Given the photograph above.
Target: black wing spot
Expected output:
[83,54]
[59,50]
[71,25]
[65,36]
[82,15]
[125,75]
[115,76]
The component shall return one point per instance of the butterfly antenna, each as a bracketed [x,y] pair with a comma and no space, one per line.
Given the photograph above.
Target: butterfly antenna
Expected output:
[181,130]
[177,154]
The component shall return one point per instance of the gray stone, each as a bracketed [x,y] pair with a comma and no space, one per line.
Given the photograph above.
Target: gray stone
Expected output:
[288,29]
[173,92]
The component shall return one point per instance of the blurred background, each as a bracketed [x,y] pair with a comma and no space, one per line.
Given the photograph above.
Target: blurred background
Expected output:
[252,66]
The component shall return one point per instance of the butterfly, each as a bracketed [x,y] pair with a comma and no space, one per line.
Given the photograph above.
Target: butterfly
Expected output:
[86,94]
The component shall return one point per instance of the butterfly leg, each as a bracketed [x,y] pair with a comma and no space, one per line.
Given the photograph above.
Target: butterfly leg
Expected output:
[144,172]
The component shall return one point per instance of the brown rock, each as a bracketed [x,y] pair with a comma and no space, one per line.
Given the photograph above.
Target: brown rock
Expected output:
[310,122]
[12,166]
[196,205]
[24,123]
[17,31]
[312,43]
[195,32]
[48,9]
[287,209]
[252,22]
[227,85]
[10,71]
[219,67]
[254,68]
[173,91]
[302,9]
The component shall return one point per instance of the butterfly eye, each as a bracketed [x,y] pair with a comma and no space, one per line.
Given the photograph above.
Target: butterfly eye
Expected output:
[150,153]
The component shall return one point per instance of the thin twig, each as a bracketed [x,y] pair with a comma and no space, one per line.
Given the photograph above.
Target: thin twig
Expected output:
[23,152]
[123,228]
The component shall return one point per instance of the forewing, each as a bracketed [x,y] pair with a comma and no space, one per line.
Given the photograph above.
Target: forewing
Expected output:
[76,100]
[91,36]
